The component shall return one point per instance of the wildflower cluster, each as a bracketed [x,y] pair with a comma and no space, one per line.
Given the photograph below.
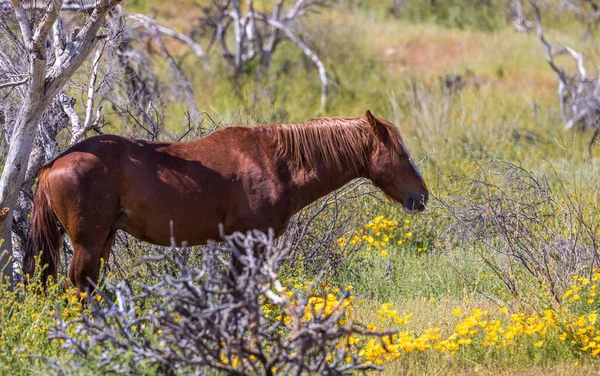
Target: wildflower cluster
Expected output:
[582,331]
[475,329]
[383,233]
[27,314]
[573,325]
[322,300]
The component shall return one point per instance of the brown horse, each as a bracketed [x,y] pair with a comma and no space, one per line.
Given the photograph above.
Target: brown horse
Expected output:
[242,177]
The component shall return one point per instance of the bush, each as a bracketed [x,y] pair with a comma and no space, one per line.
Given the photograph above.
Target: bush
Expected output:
[217,316]
[528,228]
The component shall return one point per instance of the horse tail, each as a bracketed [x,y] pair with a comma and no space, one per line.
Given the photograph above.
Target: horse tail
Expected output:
[44,234]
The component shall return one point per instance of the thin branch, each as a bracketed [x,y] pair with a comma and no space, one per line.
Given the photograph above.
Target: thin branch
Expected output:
[48,19]
[195,47]
[58,39]
[547,45]
[23,21]
[79,131]
[68,104]
[14,83]
[307,51]
[579,59]
[82,44]
[177,72]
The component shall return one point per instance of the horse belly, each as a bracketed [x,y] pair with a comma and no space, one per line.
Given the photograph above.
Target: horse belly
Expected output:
[259,212]
[194,221]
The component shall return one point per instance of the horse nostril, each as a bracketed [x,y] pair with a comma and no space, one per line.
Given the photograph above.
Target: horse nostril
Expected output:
[419,205]
[418,201]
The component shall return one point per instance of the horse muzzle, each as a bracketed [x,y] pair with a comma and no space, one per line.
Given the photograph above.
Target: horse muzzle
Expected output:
[415,202]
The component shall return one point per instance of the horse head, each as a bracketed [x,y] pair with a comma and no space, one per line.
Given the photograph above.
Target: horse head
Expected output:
[393,170]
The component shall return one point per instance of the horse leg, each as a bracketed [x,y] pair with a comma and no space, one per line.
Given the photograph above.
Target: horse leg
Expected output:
[84,265]
[105,253]
[87,261]
[106,248]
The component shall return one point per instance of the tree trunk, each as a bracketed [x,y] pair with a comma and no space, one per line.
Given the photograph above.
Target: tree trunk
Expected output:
[13,175]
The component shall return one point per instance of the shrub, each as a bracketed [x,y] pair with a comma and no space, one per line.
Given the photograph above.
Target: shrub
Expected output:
[216,316]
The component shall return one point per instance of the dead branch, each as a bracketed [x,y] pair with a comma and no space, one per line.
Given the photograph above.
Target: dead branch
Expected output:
[579,96]
[517,16]
[14,83]
[510,224]
[307,51]
[79,131]
[212,314]
[256,34]
[148,22]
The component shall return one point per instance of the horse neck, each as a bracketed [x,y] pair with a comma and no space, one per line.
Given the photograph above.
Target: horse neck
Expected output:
[310,184]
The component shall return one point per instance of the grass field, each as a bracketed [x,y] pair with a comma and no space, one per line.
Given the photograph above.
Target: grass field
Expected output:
[447,295]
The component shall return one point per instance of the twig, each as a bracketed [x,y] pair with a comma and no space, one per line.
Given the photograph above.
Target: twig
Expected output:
[14,83]
[149,22]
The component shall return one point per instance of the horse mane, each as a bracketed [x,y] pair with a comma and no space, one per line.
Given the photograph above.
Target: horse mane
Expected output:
[336,142]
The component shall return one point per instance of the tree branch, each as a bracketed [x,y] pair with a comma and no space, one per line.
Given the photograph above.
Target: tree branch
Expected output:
[23,21]
[14,83]
[68,104]
[41,32]
[82,44]
[149,22]
[79,131]
[307,51]
[58,39]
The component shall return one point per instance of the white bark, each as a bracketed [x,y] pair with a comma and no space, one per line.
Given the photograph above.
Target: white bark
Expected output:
[251,40]
[579,97]
[239,37]
[308,52]
[14,83]
[79,131]
[14,173]
[517,16]
[150,23]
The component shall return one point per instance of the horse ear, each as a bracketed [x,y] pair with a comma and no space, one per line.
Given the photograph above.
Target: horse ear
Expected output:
[371,119]
[378,128]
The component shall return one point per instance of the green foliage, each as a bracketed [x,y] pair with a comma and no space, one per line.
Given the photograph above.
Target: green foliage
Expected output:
[483,15]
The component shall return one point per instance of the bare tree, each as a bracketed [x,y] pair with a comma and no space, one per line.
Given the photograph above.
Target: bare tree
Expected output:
[578,94]
[257,34]
[49,69]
